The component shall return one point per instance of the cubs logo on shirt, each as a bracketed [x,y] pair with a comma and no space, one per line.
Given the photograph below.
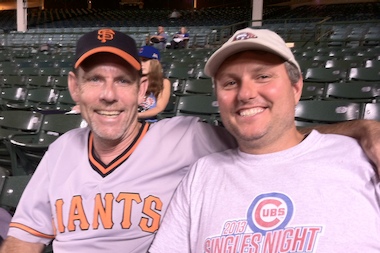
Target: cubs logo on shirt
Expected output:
[269,212]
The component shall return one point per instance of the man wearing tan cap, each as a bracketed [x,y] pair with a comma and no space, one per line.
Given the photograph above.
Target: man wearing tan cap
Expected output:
[106,187]
[280,190]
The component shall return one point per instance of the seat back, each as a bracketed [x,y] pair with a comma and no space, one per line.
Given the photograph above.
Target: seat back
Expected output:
[12,95]
[322,112]
[61,123]
[324,75]
[36,97]
[371,111]
[11,189]
[25,121]
[364,74]
[170,109]
[198,87]
[312,90]
[360,92]
[204,107]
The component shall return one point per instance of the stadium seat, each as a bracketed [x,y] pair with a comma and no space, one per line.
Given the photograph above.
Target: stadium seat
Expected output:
[12,122]
[170,110]
[204,107]
[324,75]
[197,87]
[11,189]
[364,74]
[64,104]
[28,149]
[324,112]
[179,73]
[358,92]
[36,98]
[312,91]
[371,111]
[12,95]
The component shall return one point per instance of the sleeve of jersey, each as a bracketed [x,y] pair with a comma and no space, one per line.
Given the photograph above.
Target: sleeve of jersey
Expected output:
[32,221]
[178,229]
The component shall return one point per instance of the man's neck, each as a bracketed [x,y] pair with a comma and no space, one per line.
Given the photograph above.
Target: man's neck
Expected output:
[108,150]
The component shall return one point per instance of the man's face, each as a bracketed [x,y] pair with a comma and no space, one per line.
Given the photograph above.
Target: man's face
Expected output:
[160,29]
[257,100]
[106,87]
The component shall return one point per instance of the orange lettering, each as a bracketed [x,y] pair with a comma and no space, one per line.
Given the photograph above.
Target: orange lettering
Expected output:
[128,199]
[148,209]
[58,208]
[77,213]
[103,212]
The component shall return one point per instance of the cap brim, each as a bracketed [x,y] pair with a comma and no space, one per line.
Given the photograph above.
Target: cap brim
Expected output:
[214,62]
[127,57]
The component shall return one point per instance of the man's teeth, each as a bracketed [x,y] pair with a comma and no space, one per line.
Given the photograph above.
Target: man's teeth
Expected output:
[251,112]
[109,113]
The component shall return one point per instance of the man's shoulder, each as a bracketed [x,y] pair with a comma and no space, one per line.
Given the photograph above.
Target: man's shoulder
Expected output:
[73,135]
[185,127]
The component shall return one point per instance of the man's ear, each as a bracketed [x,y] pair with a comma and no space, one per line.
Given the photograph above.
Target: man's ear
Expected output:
[73,86]
[142,89]
[297,88]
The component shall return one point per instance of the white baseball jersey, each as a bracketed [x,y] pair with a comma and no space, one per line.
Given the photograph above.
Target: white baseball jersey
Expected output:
[319,196]
[87,206]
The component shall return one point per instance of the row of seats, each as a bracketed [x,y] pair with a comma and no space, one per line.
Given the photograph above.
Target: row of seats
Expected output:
[44,100]
[26,135]
[308,112]
[321,74]
[26,81]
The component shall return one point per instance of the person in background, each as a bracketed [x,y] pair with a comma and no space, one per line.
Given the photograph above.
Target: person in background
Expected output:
[160,38]
[280,190]
[180,39]
[159,88]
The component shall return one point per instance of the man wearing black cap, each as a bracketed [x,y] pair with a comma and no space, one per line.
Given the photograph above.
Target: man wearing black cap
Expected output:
[105,188]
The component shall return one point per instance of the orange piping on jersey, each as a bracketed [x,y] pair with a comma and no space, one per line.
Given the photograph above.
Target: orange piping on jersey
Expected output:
[30,230]
[121,159]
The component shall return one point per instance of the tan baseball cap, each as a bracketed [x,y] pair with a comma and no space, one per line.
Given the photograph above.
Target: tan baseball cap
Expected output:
[250,39]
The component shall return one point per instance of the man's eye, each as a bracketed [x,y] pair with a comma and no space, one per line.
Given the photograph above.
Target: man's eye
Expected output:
[94,79]
[125,81]
[229,84]
[263,76]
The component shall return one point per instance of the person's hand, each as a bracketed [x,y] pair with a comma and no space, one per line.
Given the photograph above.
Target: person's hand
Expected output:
[370,141]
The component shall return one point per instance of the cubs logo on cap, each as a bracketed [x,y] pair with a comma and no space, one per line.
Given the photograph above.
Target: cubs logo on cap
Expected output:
[109,41]
[244,36]
[250,39]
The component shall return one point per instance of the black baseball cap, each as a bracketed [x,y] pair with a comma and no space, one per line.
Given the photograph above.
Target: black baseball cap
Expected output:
[109,41]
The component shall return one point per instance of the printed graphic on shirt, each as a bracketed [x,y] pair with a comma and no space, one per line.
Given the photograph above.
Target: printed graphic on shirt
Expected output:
[265,230]
[148,102]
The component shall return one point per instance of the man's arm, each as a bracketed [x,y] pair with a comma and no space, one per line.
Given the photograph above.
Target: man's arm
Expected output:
[367,132]
[14,245]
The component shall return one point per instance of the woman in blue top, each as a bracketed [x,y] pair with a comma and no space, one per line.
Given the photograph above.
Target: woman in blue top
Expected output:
[158,93]
[180,39]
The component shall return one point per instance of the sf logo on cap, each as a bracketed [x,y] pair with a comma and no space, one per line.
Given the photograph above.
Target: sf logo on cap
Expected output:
[244,36]
[105,34]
